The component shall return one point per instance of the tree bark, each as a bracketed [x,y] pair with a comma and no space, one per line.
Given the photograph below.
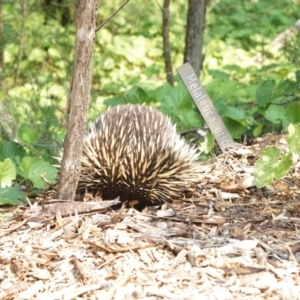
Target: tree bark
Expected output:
[78,98]
[194,34]
[166,43]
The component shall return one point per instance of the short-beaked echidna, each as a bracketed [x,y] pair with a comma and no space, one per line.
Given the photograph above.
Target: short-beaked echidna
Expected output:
[134,152]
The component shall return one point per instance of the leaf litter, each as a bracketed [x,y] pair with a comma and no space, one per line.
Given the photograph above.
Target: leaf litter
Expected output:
[229,240]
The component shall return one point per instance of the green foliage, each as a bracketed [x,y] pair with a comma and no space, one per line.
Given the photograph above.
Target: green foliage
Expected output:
[12,150]
[208,144]
[7,173]
[291,50]
[272,164]
[275,114]
[172,101]
[252,96]
[250,24]
[11,196]
[128,62]
[20,171]
[33,168]
[293,139]
[27,134]
[270,167]
[178,104]
[265,93]
[293,112]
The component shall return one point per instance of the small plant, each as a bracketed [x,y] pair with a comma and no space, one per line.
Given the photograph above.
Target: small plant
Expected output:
[272,164]
[21,174]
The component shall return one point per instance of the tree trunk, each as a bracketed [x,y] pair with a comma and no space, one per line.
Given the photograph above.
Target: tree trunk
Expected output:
[194,34]
[78,98]
[166,43]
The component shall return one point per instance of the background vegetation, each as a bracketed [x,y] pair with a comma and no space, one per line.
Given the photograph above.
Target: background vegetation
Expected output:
[252,78]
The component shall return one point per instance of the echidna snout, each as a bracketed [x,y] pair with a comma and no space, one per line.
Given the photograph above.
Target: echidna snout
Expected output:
[134,152]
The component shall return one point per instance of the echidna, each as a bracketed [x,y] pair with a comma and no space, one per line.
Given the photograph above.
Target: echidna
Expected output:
[134,152]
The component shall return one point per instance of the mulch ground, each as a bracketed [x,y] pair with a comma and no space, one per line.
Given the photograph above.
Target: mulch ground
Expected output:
[230,240]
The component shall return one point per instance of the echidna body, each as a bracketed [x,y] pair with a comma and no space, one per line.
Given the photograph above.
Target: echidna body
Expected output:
[134,152]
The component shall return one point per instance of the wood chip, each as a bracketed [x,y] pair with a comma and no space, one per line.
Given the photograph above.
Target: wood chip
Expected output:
[229,241]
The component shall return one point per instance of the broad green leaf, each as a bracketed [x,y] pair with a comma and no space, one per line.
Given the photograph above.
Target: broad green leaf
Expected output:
[208,144]
[191,119]
[257,130]
[276,114]
[33,168]
[293,112]
[178,98]
[12,150]
[269,167]
[136,95]
[159,93]
[265,93]
[293,139]
[239,115]
[235,113]
[114,101]
[11,196]
[284,86]
[235,128]
[8,173]
[26,164]
[27,134]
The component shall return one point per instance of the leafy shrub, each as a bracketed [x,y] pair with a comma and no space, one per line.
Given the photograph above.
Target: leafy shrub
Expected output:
[128,67]
[272,164]
[22,174]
